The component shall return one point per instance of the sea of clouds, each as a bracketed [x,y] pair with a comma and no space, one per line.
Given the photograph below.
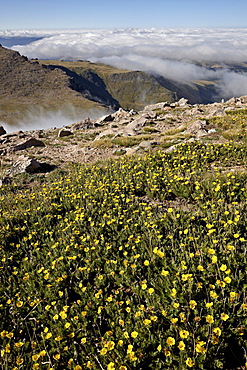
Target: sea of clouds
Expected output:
[171,53]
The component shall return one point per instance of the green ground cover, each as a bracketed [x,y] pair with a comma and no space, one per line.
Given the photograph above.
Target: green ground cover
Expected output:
[136,263]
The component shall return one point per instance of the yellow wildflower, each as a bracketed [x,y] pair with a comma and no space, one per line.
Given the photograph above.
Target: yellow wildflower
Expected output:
[209,319]
[190,362]
[184,334]
[170,341]
[224,316]
[181,345]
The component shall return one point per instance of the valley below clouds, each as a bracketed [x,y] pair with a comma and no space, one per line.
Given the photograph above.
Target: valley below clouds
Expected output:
[183,55]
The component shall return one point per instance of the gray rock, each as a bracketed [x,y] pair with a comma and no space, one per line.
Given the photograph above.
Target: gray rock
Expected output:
[137,123]
[153,107]
[109,131]
[231,101]
[201,133]
[83,125]
[106,118]
[64,132]
[182,102]
[123,121]
[130,151]
[24,164]
[27,144]
[216,112]
[132,112]
[146,145]
[119,114]
[243,99]
[150,115]
[197,128]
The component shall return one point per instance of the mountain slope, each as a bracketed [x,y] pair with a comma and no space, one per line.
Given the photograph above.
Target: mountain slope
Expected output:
[136,89]
[25,84]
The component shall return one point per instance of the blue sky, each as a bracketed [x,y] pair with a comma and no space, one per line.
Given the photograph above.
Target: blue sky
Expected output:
[96,14]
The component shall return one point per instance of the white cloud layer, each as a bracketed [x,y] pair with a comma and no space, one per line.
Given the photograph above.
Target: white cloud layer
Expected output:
[169,52]
[229,45]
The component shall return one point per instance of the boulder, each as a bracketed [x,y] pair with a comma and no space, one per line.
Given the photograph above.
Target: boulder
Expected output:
[150,115]
[104,119]
[2,130]
[183,102]
[130,151]
[137,123]
[27,144]
[64,132]
[233,100]
[147,145]
[123,121]
[119,114]
[157,106]
[197,128]
[108,132]
[243,99]
[216,112]
[83,125]
[24,164]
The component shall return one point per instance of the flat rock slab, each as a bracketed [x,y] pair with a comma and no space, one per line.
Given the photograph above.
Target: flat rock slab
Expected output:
[137,124]
[27,144]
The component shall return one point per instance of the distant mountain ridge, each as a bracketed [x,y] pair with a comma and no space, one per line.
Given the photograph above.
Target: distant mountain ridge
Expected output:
[85,86]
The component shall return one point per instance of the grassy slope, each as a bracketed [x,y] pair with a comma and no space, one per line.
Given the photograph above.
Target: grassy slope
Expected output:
[133,90]
[137,263]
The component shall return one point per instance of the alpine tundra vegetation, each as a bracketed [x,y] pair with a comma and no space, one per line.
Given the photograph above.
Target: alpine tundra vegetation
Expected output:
[136,262]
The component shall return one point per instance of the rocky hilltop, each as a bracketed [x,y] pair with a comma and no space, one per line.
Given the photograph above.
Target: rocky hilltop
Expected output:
[28,84]
[160,126]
